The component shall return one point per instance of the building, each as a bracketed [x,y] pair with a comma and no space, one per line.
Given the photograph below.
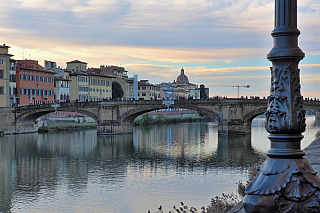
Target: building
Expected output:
[183,89]
[110,70]
[77,65]
[79,85]
[7,88]
[61,82]
[182,78]
[167,90]
[132,88]
[100,87]
[120,74]
[34,84]
[147,91]
[12,83]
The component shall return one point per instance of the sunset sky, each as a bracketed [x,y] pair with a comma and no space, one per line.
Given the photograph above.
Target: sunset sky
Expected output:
[218,42]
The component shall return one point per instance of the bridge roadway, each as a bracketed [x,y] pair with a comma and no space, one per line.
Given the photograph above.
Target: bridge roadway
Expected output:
[234,116]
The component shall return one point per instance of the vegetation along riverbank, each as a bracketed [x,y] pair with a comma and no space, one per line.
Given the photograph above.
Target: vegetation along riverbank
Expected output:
[67,127]
[147,119]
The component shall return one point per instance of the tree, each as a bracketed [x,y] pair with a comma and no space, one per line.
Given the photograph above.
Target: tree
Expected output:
[117,91]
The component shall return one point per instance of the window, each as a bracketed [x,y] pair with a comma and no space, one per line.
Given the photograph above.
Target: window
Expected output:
[43,78]
[26,77]
[51,79]
[47,78]
[21,76]
[1,61]
[143,94]
[12,66]
[1,73]
[12,78]
[26,91]
[39,77]
[1,90]
[31,91]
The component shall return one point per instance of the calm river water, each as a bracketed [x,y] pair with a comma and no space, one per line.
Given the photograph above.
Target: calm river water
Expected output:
[82,172]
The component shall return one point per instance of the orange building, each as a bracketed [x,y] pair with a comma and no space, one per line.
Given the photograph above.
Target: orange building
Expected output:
[34,84]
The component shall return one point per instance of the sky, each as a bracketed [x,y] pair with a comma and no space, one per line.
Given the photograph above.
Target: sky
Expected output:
[219,43]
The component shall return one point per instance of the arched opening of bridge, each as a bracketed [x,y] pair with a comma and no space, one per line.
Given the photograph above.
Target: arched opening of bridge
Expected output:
[172,115]
[64,120]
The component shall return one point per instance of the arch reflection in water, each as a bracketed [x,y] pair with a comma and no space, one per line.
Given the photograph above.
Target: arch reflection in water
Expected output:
[194,145]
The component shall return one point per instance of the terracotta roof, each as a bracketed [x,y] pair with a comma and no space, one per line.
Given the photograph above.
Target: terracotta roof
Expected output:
[75,73]
[101,75]
[60,79]
[76,61]
[31,69]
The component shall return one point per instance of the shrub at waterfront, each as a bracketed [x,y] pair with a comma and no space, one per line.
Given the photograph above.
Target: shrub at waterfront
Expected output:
[66,127]
[147,119]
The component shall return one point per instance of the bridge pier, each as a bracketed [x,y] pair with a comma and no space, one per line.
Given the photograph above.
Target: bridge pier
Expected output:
[234,127]
[111,128]
[24,128]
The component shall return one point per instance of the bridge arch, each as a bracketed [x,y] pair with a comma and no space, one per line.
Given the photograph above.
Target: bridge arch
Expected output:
[32,116]
[251,115]
[130,115]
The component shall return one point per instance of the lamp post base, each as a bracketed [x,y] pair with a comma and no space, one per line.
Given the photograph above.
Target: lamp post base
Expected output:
[284,185]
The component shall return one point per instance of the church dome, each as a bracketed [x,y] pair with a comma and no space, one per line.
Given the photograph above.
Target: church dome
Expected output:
[182,78]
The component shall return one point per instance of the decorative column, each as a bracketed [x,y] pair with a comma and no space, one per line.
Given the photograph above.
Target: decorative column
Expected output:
[286,181]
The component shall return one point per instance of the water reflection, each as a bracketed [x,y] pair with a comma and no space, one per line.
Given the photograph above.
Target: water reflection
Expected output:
[237,150]
[37,167]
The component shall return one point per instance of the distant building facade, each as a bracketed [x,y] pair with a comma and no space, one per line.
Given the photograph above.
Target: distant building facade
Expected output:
[148,91]
[77,65]
[61,82]
[34,84]
[7,88]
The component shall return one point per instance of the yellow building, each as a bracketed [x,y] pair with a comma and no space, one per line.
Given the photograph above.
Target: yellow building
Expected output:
[77,65]
[100,87]
[147,91]
[79,86]
[5,75]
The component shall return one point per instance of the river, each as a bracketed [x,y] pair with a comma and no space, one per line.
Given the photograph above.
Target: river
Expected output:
[156,165]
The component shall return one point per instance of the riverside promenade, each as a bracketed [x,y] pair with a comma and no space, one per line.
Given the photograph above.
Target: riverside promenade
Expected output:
[312,154]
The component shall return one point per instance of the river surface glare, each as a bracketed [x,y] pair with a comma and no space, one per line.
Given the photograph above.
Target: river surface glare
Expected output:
[156,165]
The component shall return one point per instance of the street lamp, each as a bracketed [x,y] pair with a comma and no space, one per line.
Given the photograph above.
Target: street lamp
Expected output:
[286,181]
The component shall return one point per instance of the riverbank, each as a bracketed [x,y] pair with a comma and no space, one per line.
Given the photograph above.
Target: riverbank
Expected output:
[54,127]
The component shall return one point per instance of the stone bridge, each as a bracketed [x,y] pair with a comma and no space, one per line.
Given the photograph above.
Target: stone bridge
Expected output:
[234,116]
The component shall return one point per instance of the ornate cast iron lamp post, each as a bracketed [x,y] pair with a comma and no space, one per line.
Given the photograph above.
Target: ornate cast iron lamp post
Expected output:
[286,181]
